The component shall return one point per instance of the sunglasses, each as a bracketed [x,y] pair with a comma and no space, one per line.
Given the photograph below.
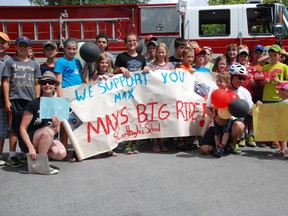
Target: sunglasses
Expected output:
[49,82]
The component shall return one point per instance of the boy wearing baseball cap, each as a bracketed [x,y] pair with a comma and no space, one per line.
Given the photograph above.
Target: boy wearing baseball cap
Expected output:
[277,74]
[50,51]
[4,45]
[19,87]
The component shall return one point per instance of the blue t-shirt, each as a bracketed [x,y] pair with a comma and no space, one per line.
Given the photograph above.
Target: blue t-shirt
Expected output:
[201,69]
[70,70]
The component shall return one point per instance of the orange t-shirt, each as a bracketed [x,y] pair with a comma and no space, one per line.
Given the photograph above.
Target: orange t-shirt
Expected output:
[188,68]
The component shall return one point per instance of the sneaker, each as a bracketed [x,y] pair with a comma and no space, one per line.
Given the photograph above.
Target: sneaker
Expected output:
[14,162]
[235,149]
[196,141]
[134,148]
[242,143]
[53,171]
[275,145]
[2,162]
[250,141]
[127,149]
[23,158]
[218,152]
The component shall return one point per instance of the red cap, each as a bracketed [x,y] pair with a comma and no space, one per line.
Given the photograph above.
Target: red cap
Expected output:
[150,37]
[200,51]
[4,36]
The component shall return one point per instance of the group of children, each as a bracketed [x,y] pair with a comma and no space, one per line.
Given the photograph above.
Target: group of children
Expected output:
[20,75]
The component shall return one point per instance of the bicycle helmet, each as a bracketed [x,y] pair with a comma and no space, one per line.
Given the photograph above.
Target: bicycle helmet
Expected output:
[238,69]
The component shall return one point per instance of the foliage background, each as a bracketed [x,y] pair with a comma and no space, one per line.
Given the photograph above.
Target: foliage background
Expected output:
[222,2]
[80,2]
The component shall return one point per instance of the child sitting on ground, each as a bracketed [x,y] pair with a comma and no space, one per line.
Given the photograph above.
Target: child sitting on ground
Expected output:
[222,80]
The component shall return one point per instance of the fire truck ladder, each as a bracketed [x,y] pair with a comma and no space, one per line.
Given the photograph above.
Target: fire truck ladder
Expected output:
[63,27]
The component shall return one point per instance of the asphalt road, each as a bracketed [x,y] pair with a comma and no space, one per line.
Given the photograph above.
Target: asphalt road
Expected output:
[153,184]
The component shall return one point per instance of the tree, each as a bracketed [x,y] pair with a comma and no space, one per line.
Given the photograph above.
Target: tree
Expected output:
[82,2]
[223,2]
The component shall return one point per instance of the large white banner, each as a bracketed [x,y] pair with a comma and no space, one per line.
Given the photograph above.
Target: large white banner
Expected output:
[147,105]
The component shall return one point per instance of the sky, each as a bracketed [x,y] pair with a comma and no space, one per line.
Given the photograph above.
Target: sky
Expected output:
[26,2]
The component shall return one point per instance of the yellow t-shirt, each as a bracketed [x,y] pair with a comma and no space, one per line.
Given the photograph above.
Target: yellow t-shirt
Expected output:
[270,93]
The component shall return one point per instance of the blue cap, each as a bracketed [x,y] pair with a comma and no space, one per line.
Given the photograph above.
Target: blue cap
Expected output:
[23,39]
[259,47]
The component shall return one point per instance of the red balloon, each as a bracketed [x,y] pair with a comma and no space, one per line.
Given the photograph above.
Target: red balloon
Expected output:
[233,95]
[220,98]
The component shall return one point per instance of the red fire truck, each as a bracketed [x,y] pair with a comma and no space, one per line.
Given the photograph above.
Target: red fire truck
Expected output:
[213,26]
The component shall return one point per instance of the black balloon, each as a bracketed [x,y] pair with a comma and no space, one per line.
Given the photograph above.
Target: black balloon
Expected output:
[89,52]
[139,48]
[238,108]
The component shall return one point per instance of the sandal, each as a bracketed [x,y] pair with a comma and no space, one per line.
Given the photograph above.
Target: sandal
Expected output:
[279,153]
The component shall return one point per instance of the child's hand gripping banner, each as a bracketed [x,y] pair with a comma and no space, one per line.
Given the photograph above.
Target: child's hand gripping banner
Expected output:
[156,104]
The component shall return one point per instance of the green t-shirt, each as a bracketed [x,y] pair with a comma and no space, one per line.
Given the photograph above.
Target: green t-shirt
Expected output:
[270,93]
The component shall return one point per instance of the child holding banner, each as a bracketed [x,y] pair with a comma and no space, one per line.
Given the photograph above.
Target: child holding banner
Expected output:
[68,71]
[127,62]
[103,68]
[103,71]
[130,61]
[160,62]
[39,134]
[161,59]
[188,60]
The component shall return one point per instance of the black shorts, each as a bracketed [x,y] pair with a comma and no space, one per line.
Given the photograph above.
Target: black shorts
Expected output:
[208,138]
[17,106]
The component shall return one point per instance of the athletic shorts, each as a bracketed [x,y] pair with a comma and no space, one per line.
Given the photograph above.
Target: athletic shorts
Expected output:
[18,107]
[208,138]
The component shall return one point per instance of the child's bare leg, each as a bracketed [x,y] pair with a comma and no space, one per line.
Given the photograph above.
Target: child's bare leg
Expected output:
[64,137]
[217,139]
[225,139]
[12,144]
[283,146]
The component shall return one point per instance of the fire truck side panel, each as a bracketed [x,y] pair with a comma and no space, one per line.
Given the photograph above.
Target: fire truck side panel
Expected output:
[83,22]
[225,24]
[162,22]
